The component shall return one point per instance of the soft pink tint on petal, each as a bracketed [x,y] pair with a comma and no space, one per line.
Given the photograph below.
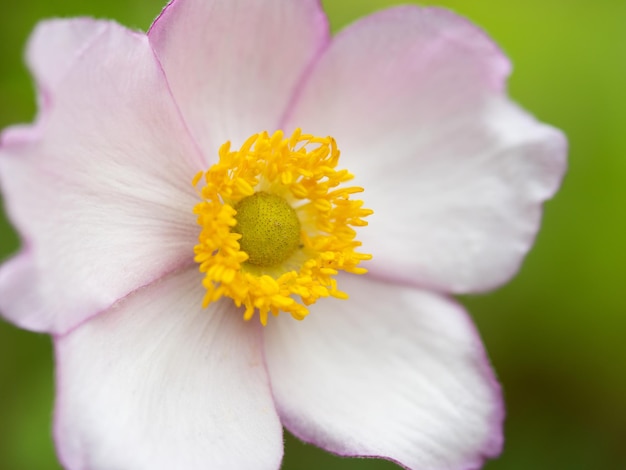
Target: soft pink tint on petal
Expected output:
[455,173]
[158,382]
[233,65]
[56,44]
[100,187]
[18,303]
[392,372]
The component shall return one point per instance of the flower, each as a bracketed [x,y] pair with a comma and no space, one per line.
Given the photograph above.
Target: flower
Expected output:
[99,188]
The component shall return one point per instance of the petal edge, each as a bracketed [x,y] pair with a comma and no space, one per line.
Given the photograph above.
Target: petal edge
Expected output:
[393,373]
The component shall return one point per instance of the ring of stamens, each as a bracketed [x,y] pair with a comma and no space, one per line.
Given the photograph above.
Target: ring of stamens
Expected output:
[277,176]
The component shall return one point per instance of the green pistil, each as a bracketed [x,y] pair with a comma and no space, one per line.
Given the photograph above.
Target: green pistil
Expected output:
[269,228]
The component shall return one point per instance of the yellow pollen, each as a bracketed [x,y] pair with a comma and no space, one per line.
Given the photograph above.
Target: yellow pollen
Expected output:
[269,229]
[277,224]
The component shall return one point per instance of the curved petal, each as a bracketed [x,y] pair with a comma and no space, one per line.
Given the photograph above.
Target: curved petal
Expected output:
[455,173]
[55,44]
[233,65]
[158,382]
[100,186]
[392,372]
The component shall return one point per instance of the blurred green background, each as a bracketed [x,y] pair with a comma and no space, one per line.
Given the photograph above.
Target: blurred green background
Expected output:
[556,334]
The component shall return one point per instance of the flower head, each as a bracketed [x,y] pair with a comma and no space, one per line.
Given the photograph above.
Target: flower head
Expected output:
[151,285]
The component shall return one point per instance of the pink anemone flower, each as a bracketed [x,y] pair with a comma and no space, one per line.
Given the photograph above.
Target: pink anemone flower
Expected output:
[170,244]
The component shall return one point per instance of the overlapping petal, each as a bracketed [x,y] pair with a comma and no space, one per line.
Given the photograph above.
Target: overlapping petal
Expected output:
[233,65]
[395,372]
[55,45]
[100,187]
[456,174]
[158,382]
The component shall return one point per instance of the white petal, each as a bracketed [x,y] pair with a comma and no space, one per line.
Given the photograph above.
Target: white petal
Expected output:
[158,382]
[392,372]
[100,187]
[233,65]
[56,44]
[455,173]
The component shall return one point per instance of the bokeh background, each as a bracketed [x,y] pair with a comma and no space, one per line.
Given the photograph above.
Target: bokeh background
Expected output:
[556,334]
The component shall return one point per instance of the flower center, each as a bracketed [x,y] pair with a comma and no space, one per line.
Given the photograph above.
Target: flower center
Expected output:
[277,224]
[269,228]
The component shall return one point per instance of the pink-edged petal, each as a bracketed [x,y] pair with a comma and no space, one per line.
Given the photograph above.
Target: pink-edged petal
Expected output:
[55,45]
[233,65]
[393,372]
[158,382]
[100,186]
[456,174]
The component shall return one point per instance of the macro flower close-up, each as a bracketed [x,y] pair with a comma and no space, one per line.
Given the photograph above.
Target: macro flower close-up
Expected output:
[235,222]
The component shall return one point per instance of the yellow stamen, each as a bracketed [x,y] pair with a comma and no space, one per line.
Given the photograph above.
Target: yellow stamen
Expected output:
[277,224]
